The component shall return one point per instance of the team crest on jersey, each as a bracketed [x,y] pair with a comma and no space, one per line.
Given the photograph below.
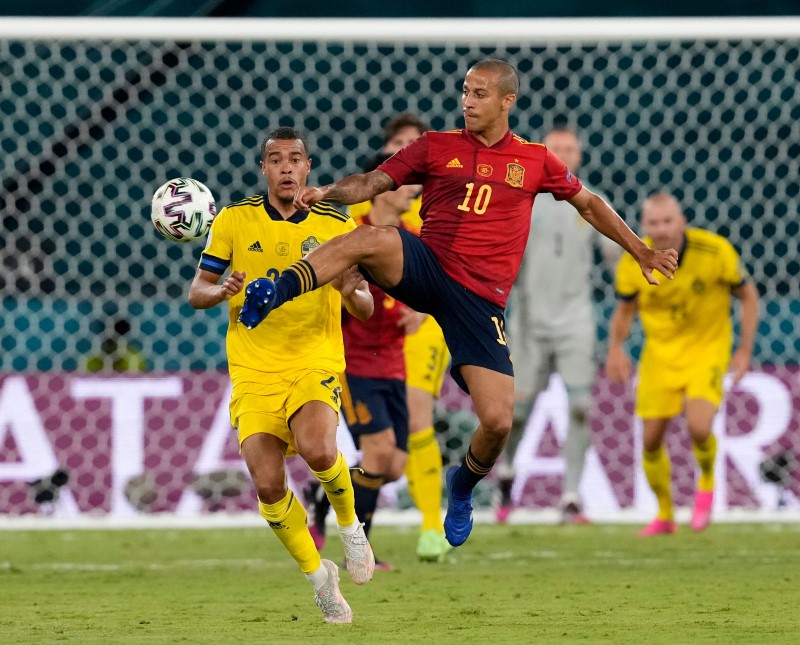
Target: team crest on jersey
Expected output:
[698,286]
[485,170]
[515,175]
[282,248]
[309,245]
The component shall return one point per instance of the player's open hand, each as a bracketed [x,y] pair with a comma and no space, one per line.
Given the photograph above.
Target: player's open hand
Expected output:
[233,284]
[618,365]
[740,364]
[347,282]
[306,197]
[665,262]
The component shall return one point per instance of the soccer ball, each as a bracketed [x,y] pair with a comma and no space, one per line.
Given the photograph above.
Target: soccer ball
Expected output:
[183,209]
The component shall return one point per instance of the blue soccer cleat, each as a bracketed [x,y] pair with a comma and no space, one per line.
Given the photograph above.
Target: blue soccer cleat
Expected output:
[458,521]
[259,299]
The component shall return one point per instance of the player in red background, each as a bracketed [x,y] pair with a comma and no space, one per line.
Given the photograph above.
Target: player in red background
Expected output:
[479,184]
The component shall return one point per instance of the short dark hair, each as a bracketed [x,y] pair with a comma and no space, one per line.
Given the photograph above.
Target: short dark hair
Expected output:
[373,162]
[509,79]
[284,133]
[405,120]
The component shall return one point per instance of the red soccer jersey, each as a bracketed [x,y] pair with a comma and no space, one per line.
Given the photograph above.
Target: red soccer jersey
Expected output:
[373,348]
[477,201]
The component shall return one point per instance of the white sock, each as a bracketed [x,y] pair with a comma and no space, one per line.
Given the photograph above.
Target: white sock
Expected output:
[318,578]
[350,530]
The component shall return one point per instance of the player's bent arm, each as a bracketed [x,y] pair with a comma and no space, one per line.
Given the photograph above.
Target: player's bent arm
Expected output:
[618,365]
[594,210]
[747,293]
[359,303]
[350,190]
[205,293]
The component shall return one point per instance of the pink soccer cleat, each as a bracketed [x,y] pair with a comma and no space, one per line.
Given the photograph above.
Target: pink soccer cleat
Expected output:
[502,513]
[659,527]
[701,515]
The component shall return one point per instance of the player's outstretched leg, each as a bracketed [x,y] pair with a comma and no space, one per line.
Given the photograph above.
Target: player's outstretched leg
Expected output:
[259,299]
[328,597]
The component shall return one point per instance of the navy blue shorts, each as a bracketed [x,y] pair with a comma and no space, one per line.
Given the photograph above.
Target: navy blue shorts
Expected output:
[473,327]
[374,404]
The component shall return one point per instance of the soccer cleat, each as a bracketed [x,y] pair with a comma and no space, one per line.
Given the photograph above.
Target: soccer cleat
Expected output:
[502,513]
[317,501]
[259,298]
[432,546]
[571,513]
[659,527]
[330,600]
[358,556]
[458,521]
[382,565]
[701,514]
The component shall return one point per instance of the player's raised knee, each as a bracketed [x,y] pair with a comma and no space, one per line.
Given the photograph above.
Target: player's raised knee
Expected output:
[269,491]
[318,456]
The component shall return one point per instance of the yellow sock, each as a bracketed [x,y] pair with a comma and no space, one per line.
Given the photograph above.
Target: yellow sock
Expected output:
[339,489]
[706,453]
[657,469]
[287,519]
[424,473]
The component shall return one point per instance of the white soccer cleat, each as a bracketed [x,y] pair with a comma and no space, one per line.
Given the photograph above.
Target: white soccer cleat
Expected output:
[358,556]
[330,600]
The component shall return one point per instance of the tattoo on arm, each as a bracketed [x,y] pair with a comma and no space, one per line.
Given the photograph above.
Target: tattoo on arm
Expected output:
[359,188]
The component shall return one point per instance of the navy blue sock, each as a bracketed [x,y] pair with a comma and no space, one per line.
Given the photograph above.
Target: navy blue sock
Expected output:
[366,487]
[295,281]
[468,475]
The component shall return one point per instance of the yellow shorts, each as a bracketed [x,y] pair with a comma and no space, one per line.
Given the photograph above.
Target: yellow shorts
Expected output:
[661,392]
[267,406]
[427,358]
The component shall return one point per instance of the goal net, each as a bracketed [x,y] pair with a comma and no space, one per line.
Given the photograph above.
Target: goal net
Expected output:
[95,114]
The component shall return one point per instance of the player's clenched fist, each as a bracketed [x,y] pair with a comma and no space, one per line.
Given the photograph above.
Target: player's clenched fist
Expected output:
[306,197]
[233,284]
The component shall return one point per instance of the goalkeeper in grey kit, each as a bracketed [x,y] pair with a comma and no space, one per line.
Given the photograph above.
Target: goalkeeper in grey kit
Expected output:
[551,327]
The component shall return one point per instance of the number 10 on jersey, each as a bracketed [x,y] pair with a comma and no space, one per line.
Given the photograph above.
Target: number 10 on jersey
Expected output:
[481,202]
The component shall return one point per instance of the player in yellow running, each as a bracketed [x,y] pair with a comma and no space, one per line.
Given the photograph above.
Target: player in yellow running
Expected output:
[286,396]
[688,338]
[427,360]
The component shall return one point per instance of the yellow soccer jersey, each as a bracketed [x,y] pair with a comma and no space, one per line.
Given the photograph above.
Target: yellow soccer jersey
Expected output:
[251,237]
[411,218]
[689,317]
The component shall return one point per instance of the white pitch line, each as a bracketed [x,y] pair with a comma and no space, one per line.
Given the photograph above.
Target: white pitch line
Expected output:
[210,563]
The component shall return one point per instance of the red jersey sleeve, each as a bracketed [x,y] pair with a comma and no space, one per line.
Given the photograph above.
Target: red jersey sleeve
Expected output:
[409,165]
[557,179]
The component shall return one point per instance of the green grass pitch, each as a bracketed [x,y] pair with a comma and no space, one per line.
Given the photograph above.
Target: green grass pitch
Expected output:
[512,584]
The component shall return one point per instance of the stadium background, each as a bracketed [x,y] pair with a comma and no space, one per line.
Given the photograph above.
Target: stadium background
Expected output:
[91,127]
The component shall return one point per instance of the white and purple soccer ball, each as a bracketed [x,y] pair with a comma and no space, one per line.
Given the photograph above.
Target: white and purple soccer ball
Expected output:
[183,209]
